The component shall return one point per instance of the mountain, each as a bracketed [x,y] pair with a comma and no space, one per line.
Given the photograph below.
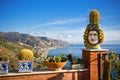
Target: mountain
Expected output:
[33,41]
[54,42]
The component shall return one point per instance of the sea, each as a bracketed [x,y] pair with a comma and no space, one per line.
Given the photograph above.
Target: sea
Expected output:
[76,50]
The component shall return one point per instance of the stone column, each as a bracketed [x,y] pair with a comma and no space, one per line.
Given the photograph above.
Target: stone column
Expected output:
[91,61]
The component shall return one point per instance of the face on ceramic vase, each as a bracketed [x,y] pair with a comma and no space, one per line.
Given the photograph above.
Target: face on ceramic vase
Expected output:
[93,37]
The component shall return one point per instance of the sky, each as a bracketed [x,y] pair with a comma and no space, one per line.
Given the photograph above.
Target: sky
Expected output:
[60,19]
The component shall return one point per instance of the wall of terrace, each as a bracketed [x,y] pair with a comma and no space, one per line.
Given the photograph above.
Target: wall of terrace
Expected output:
[66,74]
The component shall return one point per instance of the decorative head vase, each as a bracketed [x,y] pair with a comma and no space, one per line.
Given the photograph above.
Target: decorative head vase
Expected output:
[93,35]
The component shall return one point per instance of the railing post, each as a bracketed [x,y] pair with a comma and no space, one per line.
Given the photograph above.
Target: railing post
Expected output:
[100,57]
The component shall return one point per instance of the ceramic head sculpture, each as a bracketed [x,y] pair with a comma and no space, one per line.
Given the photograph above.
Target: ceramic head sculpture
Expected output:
[93,35]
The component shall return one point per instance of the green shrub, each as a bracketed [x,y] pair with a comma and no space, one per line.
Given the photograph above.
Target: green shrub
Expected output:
[4,58]
[61,58]
[73,59]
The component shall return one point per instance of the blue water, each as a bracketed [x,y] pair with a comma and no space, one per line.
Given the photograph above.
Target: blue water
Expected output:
[76,50]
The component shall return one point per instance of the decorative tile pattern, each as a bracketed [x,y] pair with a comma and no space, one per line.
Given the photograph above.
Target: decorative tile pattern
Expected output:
[25,67]
[3,68]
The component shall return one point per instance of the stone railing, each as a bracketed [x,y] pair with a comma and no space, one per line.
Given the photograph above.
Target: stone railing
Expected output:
[65,74]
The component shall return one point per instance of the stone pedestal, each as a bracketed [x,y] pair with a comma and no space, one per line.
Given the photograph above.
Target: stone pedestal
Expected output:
[92,61]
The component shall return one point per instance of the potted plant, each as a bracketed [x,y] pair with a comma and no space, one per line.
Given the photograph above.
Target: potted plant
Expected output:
[55,62]
[4,60]
[25,60]
[75,62]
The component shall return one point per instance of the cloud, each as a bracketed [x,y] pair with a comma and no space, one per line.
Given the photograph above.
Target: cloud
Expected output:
[61,22]
[111,32]
[112,35]
[66,21]
[69,36]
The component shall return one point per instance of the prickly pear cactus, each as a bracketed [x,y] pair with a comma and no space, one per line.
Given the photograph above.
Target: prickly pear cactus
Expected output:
[26,54]
[93,35]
